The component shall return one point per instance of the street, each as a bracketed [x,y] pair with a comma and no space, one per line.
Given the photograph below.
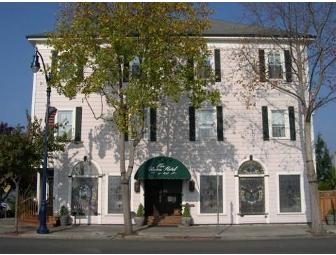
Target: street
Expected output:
[310,245]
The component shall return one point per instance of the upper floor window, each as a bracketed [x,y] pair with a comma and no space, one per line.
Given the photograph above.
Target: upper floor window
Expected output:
[278,123]
[274,65]
[206,123]
[65,122]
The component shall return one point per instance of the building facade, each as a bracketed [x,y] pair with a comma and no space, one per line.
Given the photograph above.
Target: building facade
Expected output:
[233,163]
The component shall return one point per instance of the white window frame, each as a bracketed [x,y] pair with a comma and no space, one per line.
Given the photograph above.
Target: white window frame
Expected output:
[106,197]
[197,123]
[265,175]
[282,61]
[73,124]
[302,197]
[270,127]
[223,213]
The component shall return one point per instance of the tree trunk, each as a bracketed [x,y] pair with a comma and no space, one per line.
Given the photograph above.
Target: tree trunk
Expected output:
[316,227]
[17,192]
[125,189]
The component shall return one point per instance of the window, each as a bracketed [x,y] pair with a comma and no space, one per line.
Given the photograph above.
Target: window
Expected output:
[205,69]
[114,195]
[206,128]
[278,123]
[208,194]
[84,190]
[274,65]
[290,194]
[64,120]
[251,188]
[135,67]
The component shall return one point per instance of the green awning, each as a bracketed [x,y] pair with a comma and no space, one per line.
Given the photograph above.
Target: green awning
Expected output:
[162,168]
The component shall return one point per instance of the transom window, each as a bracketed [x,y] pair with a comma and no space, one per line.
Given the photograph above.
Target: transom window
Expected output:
[84,191]
[64,120]
[206,123]
[274,65]
[251,188]
[278,123]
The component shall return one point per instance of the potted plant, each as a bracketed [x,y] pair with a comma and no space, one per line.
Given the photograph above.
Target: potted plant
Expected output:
[186,219]
[64,216]
[140,215]
[331,217]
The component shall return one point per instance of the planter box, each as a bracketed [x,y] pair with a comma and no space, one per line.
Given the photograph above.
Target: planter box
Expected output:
[139,221]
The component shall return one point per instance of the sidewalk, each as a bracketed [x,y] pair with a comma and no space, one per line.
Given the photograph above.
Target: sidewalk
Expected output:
[200,232]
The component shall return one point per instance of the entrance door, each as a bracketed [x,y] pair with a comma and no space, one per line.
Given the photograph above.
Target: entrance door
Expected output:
[162,197]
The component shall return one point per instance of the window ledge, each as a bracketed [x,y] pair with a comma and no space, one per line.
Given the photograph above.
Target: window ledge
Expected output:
[210,214]
[291,213]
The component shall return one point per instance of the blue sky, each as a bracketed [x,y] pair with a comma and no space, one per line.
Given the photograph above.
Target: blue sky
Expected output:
[20,19]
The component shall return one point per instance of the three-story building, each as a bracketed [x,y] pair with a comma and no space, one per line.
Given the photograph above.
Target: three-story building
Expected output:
[234,163]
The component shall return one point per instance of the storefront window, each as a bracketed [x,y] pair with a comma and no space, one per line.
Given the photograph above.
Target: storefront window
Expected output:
[251,188]
[114,195]
[84,192]
[290,195]
[208,194]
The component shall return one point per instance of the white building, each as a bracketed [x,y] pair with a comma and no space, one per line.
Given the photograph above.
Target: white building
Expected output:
[252,154]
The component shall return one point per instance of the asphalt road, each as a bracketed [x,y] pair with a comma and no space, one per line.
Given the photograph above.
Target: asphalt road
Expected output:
[313,245]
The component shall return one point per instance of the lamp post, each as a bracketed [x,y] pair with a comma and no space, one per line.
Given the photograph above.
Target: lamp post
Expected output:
[35,66]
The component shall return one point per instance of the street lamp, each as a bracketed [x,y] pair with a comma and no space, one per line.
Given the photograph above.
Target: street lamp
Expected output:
[35,66]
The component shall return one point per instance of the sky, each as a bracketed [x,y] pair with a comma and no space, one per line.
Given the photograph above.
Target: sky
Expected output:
[20,19]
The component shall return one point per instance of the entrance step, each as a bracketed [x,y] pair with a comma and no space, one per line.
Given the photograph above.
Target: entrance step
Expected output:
[164,220]
[32,220]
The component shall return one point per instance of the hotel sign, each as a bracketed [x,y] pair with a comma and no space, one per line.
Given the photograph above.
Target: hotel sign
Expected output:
[162,168]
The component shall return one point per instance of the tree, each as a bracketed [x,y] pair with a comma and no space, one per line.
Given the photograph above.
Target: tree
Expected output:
[21,155]
[6,184]
[289,26]
[323,159]
[326,172]
[134,55]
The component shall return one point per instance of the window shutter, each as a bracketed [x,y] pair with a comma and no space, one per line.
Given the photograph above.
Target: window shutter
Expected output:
[265,123]
[152,135]
[191,71]
[217,65]
[288,66]
[220,136]
[262,70]
[53,61]
[291,116]
[192,136]
[78,125]
[126,71]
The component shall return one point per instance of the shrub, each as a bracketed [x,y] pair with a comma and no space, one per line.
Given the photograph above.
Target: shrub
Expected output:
[141,211]
[64,211]
[186,210]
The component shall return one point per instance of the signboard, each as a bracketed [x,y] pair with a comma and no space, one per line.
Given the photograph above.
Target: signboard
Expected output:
[162,168]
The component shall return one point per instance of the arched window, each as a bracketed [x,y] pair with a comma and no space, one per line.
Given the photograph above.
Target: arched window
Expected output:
[84,191]
[251,188]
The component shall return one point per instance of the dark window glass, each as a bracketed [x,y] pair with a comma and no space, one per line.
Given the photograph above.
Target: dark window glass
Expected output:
[251,195]
[114,195]
[84,196]
[290,195]
[208,194]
